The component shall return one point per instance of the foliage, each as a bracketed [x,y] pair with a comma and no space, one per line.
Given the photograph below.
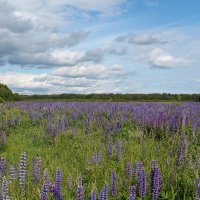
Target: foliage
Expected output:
[5,93]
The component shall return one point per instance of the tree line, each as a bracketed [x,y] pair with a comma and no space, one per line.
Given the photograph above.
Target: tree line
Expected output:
[117,97]
[7,95]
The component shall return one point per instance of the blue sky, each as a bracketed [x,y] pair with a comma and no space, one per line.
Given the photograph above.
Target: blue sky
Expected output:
[87,46]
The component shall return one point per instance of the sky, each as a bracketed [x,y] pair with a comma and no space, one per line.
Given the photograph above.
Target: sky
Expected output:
[107,46]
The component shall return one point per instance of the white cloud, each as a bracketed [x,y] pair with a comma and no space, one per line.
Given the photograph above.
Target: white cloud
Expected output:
[21,80]
[140,39]
[158,58]
[91,70]
[33,33]
[55,58]
[83,78]
[47,50]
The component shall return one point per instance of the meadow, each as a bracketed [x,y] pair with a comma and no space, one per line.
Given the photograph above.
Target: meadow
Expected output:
[68,151]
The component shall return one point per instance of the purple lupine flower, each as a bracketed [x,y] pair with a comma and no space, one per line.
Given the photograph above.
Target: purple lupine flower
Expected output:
[3,166]
[22,175]
[119,150]
[198,187]
[37,165]
[153,164]
[107,130]
[55,129]
[106,191]
[93,195]
[46,176]
[49,130]
[39,115]
[31,115]
[155,186]
[44,191]
[58,184]
[70,182]
[128,170]
[94,158]
[183,122]
[131,197]
[134,171]
[52,188]
[17,169]
[12,121]
[182,148]
[79,181]
[133,191]
[63,123]
[138,168]
[156,180]
[79,192]
[12,173]
[113,184]
[4,188]
[117,127]
[101,195]
[142,183]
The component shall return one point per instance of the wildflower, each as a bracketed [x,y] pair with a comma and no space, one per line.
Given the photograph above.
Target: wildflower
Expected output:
[93,195]
[44,191]
[58,184]
[133,191]
[3,166]
[142,183]
[198,187]
[113,184]
[12,173]
[128,170]
[70,182]
[37,164]
[4,187]
[22,175]
[79,192]
[119,150]
[156,180]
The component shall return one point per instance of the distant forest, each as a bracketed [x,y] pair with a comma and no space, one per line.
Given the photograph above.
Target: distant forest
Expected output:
[117,97]
[7,95]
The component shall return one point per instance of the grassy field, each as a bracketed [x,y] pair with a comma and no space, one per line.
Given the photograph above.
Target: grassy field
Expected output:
[92,140]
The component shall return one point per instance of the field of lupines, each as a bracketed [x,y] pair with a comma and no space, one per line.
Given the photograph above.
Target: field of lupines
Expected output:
[68,151]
